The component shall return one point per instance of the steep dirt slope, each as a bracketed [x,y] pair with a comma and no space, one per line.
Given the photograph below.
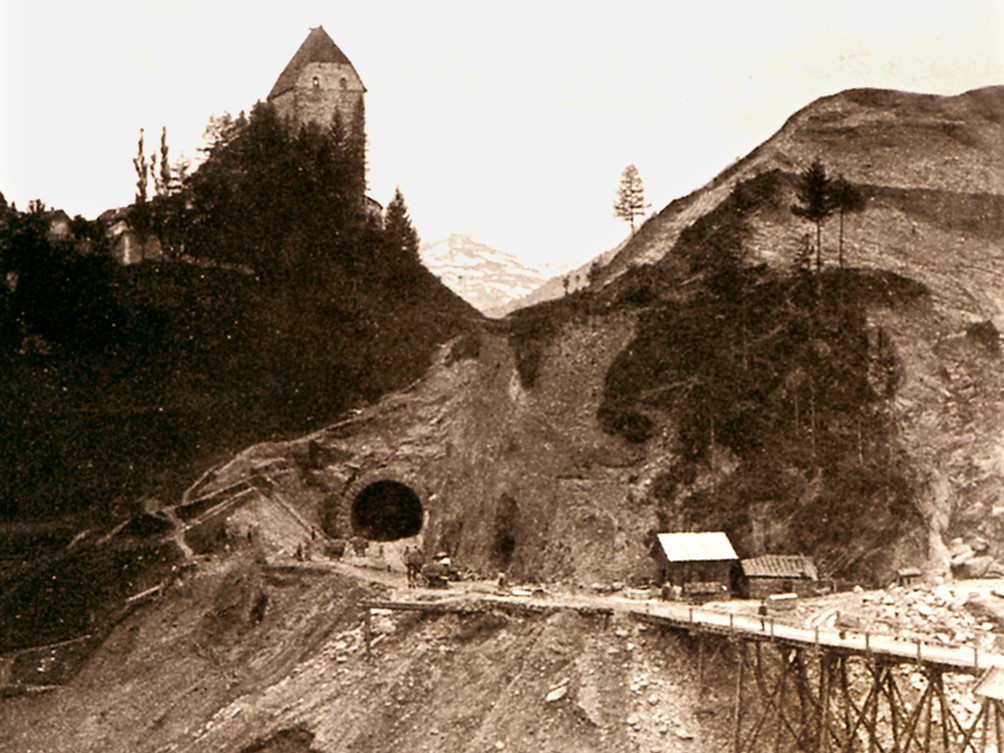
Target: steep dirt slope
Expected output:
[951,242]
[203,670]
[948,412]
[510,476]
[949,402]
[931,170]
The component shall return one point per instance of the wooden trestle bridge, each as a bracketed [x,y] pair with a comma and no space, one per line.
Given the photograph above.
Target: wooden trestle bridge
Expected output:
[799,689]
[808,698]
[815,690]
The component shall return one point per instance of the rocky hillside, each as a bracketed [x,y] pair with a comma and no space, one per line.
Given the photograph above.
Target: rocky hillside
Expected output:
[488,279]
[506,476]
[203,670]
[938,160]
[572,281]
[554,445]
[706,381]
[931,170]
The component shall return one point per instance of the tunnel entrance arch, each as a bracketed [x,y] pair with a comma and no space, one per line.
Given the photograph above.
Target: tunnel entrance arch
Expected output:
[387,510]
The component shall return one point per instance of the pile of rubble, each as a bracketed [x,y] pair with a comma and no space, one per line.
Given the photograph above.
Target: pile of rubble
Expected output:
[973,560]
[922,613]
[659,716]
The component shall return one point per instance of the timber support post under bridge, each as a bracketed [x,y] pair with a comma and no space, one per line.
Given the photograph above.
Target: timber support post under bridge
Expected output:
[791,697]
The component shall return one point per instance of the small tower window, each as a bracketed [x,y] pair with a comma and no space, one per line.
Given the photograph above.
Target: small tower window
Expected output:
[344,84]
[317,82]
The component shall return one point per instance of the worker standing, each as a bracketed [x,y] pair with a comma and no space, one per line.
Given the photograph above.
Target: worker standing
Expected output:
[413,562]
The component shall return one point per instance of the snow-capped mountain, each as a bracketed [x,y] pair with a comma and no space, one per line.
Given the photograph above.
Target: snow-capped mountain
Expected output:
[485,277]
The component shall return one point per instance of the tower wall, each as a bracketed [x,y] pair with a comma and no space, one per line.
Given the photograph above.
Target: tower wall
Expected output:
[321,91]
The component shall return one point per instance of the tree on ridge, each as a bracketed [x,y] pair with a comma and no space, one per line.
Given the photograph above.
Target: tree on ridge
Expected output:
[400,236]
[814,202]
[630,201]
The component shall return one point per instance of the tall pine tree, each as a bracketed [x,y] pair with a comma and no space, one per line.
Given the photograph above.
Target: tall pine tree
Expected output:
[400,238]
[814,202]
[630,201]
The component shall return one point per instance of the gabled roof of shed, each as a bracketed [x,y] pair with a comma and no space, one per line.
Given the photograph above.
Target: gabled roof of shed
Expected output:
[780,566]
[318,47]
[696,547]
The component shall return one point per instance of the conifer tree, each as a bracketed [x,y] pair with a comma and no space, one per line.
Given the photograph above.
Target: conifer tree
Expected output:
[630,201]
[814,202]
[140,216]
[803,258]
[162,172]
[355,145]
[400,238]
[142,171]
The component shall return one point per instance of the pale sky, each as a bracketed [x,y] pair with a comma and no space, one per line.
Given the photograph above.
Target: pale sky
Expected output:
[507,121]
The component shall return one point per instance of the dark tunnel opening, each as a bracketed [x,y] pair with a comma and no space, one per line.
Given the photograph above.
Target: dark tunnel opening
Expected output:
[386,511]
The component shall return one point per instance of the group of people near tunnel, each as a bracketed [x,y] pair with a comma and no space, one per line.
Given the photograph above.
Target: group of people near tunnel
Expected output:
[434,574]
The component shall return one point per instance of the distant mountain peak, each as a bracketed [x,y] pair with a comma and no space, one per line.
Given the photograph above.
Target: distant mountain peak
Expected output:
[483,276]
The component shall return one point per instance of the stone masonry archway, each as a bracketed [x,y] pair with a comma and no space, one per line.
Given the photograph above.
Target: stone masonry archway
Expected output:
[387,510]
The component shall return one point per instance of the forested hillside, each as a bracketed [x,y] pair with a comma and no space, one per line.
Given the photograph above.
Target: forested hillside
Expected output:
[282,300]
[777,368]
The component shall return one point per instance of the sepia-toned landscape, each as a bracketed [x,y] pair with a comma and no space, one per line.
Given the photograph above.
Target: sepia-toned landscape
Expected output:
[276,477]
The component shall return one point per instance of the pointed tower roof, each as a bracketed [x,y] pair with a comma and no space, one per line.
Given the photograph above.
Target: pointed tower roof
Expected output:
[318,47]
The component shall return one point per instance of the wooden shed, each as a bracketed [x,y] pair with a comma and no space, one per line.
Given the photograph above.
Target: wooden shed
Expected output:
[699,564]
[778,574]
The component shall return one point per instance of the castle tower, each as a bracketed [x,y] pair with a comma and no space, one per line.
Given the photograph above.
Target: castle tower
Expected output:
[318,83]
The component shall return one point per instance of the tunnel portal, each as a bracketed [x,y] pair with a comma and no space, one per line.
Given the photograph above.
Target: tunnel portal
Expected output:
[387,511]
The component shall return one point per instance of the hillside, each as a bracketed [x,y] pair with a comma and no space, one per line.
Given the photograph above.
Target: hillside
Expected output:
[199,670]
[561,285]
[488,279]
[707,380]
[568,433]
[931,171]
[242,653]
[938,159]
[265,318]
